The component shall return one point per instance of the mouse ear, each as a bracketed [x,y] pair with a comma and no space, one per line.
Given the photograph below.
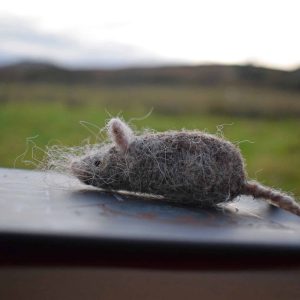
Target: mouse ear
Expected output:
[120,133]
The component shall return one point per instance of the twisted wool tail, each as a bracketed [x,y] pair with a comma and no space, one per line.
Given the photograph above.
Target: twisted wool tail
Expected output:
[280,199]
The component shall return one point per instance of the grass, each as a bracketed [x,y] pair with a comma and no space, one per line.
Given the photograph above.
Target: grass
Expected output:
[167,100]
[52,113]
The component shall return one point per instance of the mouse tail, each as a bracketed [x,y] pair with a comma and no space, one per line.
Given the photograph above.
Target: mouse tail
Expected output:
[278,198]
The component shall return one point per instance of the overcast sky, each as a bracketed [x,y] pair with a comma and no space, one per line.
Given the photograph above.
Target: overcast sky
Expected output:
[117,33]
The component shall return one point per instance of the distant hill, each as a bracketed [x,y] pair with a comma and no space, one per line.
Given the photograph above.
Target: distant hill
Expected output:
[208,75]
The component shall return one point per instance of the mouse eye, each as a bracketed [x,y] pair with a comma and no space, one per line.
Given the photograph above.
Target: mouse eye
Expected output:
[97,163]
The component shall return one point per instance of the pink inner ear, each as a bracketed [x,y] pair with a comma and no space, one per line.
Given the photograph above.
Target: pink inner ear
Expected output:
[120,133]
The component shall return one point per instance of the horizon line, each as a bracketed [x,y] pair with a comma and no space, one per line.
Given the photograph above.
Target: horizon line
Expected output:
[145,65]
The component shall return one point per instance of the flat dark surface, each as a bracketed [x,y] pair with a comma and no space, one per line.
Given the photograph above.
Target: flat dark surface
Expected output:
[49,219]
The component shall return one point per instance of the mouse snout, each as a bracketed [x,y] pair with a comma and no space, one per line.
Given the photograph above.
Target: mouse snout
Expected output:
[78,170]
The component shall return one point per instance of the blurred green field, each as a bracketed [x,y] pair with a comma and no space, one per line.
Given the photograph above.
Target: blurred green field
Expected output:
[264,122]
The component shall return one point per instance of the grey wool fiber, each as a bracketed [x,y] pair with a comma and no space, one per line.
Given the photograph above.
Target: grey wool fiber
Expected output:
[183,166]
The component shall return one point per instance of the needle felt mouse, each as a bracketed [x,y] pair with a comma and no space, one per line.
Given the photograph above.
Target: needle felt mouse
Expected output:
[186,166]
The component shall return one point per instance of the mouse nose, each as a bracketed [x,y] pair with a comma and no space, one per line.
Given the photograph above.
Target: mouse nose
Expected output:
[75,168]
[79,171]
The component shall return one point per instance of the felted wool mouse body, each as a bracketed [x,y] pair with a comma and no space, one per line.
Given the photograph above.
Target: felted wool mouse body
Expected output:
[185,166]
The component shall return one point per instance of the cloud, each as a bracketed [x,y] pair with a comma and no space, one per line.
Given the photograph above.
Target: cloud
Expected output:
[23,39]
[17,30]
